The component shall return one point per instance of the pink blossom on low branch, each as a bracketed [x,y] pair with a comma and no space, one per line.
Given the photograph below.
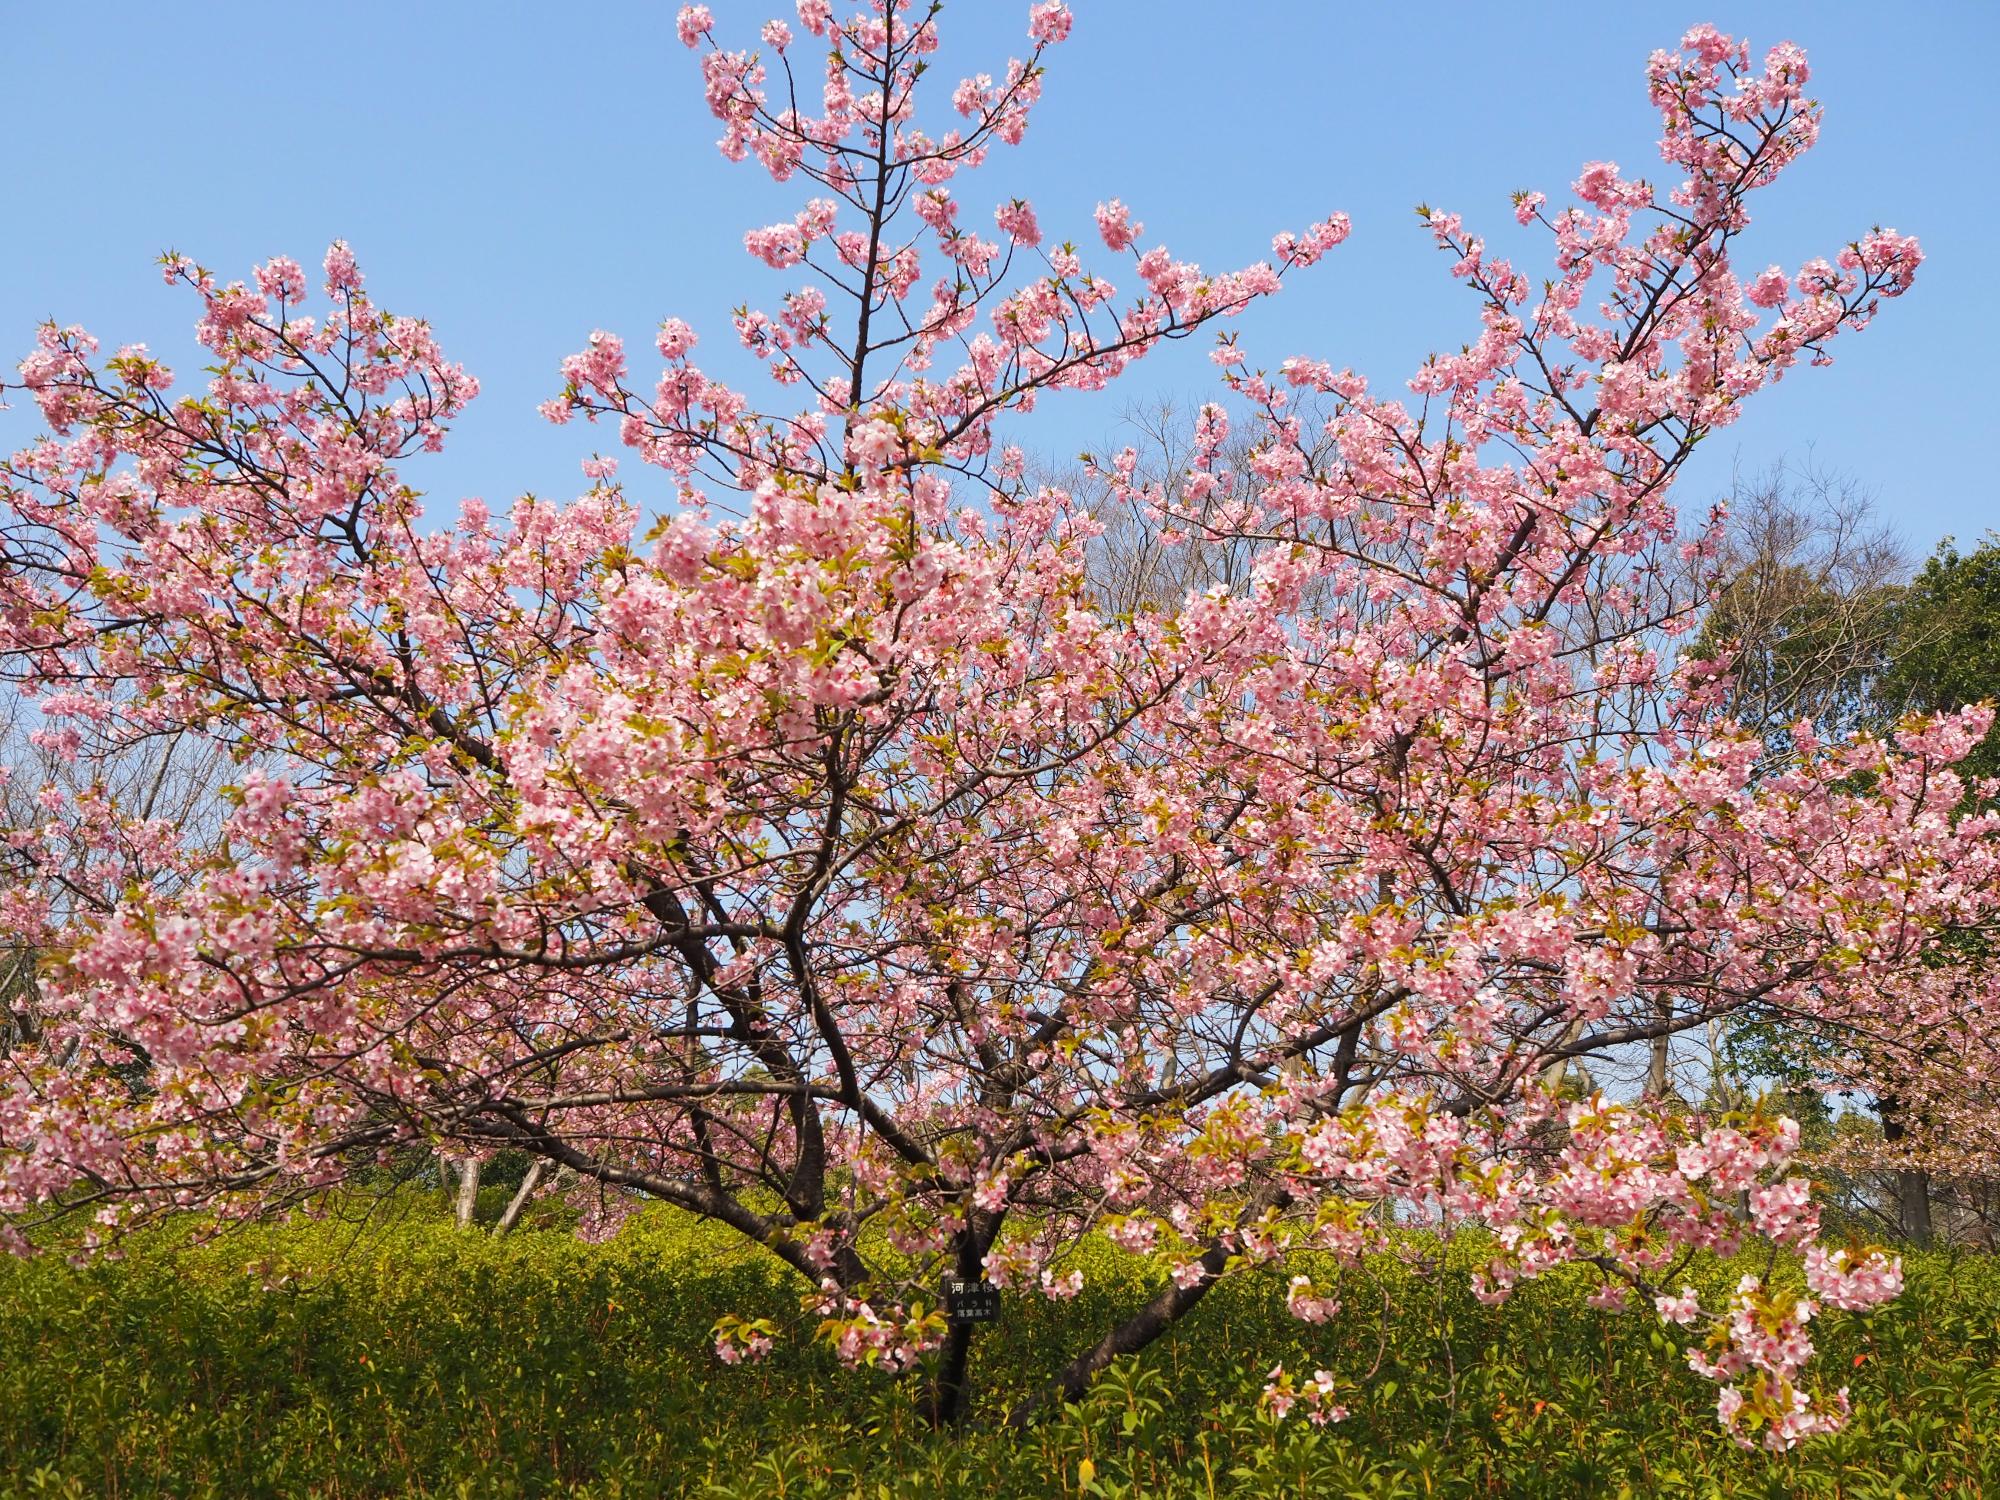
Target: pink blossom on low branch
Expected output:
[1840,1278]
[797,836]
[1283,1394]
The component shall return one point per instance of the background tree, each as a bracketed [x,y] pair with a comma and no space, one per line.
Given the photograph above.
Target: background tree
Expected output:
[1802,609]
[1138,562]
[1944,654]
[1946,651]
[1822,621]
[1807,604]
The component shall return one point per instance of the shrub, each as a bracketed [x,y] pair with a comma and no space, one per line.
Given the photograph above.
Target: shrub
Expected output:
[405,1358]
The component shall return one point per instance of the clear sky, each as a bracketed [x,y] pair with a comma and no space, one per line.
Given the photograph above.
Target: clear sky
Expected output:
[520,174]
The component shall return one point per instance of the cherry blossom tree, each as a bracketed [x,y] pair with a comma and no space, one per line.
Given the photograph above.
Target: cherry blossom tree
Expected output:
[795,837]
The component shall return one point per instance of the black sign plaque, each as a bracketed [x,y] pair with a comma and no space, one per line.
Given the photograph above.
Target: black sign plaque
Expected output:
[970,1301]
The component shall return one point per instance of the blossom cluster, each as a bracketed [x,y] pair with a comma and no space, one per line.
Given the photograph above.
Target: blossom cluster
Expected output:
[1283,1392]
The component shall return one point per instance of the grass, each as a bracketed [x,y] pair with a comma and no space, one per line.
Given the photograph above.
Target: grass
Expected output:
[323,1359]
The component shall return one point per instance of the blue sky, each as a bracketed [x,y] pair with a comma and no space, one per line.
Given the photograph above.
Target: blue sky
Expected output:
[521,174]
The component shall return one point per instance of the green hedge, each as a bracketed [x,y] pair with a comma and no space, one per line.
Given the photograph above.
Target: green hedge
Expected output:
[405,1358]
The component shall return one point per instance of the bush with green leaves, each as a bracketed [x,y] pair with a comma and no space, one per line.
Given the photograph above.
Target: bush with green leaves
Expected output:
[405,1358]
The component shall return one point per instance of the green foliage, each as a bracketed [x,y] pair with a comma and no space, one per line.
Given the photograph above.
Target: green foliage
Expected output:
[1947,633]
[410,1359]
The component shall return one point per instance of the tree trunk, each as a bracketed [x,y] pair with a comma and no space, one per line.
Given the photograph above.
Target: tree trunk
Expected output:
[1913,1201]
[949,1389]
[468,1192]
[1656,1063]
[1554,1074]
[520,1199]
[1656,1070]
[1913,1187]
[1171,1305]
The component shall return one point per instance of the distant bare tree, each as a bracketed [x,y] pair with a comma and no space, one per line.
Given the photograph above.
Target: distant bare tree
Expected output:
[1809,581]
[1139,560]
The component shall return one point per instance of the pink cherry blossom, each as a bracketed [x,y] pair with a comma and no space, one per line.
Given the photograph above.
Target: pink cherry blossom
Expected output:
[693,23]
[1114,223]
[1049,21]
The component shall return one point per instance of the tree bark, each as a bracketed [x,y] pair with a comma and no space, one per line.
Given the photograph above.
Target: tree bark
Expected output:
[1913,1196]
[468,1192]
[1656,1063]
[1129,1337]
[1554,1074]
[1913,1187]
[522,1193]
[950,1391]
